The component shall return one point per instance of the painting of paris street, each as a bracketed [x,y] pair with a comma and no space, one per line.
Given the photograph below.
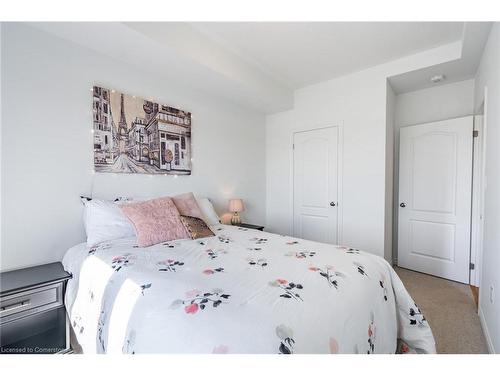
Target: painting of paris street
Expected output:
[134,135]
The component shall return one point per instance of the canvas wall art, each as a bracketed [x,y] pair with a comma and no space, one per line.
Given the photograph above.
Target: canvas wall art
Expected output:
[134,135]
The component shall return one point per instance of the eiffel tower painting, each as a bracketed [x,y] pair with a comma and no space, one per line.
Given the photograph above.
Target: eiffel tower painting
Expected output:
[122,128]
[148,138]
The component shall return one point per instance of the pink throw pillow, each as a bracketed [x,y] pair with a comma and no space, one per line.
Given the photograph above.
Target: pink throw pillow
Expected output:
[156,220]
[187,205]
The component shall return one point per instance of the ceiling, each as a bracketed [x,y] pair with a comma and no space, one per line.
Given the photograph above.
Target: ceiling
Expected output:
[303,53]
[260,64]
[473,41]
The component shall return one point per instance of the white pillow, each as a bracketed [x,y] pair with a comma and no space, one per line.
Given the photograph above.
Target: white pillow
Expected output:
[207,209]
[104,221]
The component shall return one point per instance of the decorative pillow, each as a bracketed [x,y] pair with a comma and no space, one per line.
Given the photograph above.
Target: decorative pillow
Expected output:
[187,205]
[104,221]
[208,211]
[196,227]
[156,220]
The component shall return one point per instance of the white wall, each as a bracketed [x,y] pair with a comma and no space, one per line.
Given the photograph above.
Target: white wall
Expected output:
[47,144]
[357,103]
[434,104]
[389,166]
[1,176]
[422,106]
[488,76]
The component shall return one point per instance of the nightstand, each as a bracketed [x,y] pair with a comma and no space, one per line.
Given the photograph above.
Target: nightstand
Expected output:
[32,313]
[251,226]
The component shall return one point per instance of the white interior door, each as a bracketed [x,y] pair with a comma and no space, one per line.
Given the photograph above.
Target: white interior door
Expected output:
[315,184]
[477,215]
[435,177]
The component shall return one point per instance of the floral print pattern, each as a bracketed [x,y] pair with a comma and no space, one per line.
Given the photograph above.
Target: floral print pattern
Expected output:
[352,251]
[265,296]
[301,254]
[371,334]
[329,274]
[416,316]
[360,268]
[287,342]
[210,271]
[220,349]
[403,347]
[100,329]
[144,287]
[254,248]
[384,288]
[120,261]
[213,254]
[258,241]
[198,301]
[224,239]
[288,289]
[102,246]
[259,262]
[169,265]
[77,324]
[128,346]
[334,346]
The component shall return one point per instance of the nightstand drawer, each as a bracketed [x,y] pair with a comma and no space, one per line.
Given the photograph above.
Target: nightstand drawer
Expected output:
[32,313]
[20,304]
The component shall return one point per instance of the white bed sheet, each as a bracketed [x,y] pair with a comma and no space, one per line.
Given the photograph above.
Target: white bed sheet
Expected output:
[242,291]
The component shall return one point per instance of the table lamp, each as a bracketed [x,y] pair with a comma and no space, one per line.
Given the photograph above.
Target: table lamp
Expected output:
[236,206]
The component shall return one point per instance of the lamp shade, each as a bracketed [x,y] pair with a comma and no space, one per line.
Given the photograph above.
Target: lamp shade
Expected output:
[236,205]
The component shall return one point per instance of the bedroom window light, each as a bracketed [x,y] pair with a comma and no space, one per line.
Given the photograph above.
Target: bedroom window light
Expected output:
[120,315]
[97,270]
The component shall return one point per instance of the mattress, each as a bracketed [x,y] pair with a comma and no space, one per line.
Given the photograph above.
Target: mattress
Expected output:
[241,291]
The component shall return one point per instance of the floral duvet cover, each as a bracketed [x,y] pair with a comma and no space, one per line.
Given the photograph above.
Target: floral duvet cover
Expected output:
[242,291]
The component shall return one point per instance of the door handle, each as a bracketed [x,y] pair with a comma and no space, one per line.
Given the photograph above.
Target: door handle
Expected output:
[333,204]
[402,204]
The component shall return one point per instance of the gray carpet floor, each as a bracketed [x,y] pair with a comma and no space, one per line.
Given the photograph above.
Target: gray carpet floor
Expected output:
[450,310]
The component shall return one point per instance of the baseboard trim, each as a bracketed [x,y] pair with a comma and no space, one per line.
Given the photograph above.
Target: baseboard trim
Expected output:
[484,326]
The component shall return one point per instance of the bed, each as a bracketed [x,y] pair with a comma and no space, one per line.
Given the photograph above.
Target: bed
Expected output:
[241,291]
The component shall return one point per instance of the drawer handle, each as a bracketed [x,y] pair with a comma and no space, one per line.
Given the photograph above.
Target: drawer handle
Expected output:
[16,305]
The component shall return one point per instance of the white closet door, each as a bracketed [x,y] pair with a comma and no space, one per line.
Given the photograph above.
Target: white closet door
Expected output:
[315,184]
[435,176]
